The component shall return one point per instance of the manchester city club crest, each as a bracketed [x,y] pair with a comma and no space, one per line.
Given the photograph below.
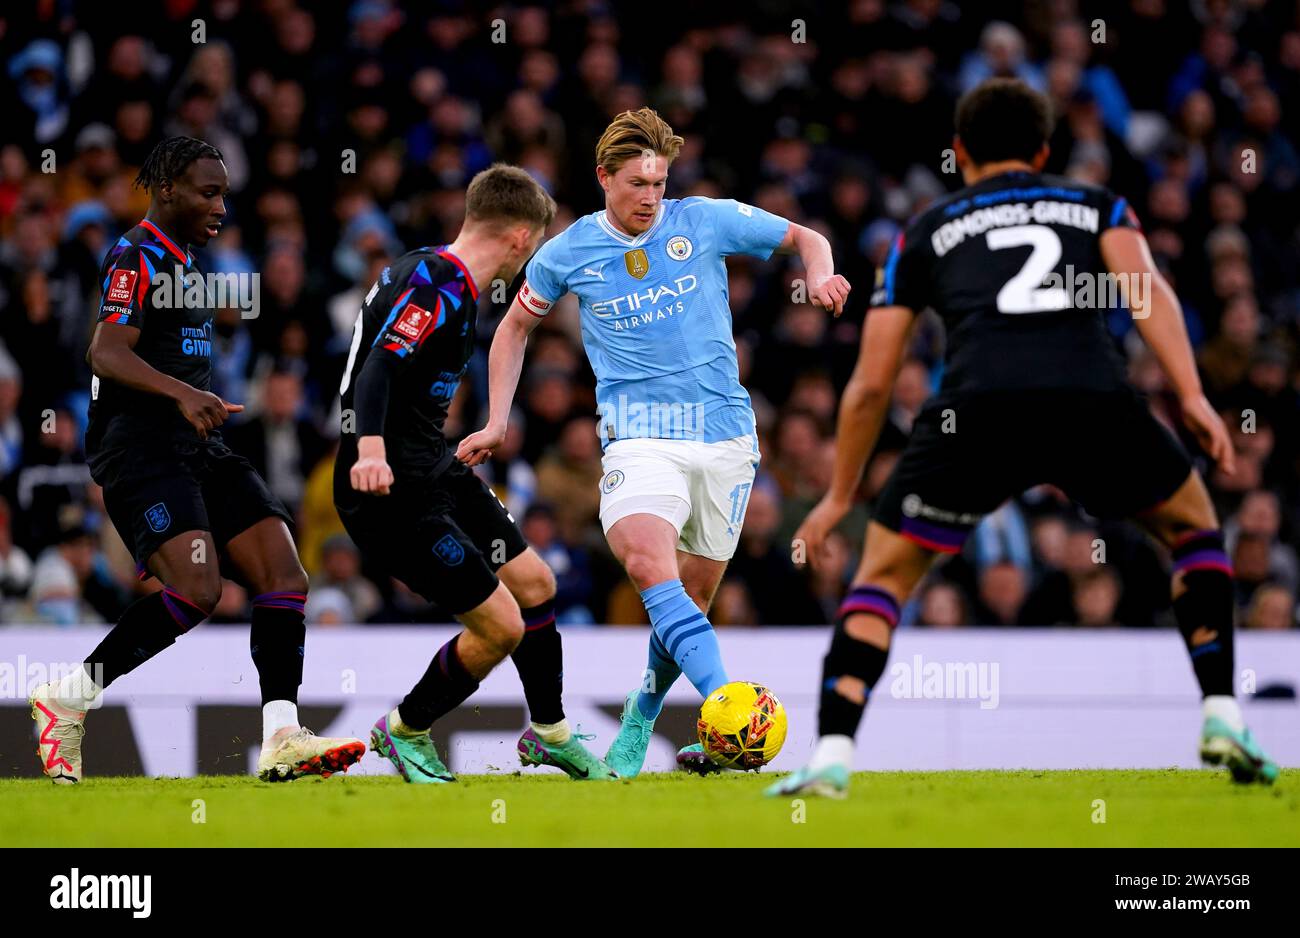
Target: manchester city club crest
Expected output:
[679,247]
[612,480]
[638,264]
[159,518]
[449,551]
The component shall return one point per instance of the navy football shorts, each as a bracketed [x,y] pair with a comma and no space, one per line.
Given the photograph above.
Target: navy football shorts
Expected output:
[445,539]
[968,455]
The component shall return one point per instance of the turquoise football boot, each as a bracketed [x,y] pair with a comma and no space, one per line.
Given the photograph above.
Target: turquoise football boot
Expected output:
[829,782]
[416,757]
[572,757]
[627,752]
[1222,745]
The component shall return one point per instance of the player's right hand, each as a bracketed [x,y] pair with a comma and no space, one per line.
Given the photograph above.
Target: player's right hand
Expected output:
[809,544]
[372,474]
[477,447]
[1210,431]
[206,411]
[830,294]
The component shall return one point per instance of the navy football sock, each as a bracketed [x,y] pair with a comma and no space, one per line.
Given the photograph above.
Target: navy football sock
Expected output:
[840,713]
[277,642]
[149,625]
[444,687]
[539,659]
[1204,610]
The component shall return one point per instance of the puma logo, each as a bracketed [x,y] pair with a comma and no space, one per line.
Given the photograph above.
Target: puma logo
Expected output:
[595,273]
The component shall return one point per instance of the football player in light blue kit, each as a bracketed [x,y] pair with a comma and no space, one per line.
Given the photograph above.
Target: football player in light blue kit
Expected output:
[677,428]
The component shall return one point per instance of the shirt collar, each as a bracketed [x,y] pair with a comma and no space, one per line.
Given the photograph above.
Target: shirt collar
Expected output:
[182,256]
[624,238]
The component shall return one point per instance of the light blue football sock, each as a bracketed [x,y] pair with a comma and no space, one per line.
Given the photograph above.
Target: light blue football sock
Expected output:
[660,674]
[686,634]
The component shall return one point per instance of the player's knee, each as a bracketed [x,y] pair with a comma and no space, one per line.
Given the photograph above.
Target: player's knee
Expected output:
[539,587]
[497,622]
[645,568]
[529,579]
[701,595]
[203,593]
[893,576]
[506,631]
[1188,512]
[291,579]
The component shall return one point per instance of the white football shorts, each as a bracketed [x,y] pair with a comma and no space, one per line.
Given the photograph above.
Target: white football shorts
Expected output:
[701,489]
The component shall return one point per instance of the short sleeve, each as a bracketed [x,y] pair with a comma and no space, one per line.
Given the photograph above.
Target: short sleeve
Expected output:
[1117,213]
[746,229]
[902,280]
[545,277]
[124,289]
[416,315]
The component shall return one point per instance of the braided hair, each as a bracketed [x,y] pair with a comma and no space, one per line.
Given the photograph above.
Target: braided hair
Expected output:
[169,160]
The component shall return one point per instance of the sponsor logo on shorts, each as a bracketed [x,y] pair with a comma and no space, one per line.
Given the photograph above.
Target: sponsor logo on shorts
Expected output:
[914,507]
[680,248]
[159,518]
[449,551]
[613,479]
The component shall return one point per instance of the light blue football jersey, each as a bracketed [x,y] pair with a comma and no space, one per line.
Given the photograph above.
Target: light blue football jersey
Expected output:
[656,320]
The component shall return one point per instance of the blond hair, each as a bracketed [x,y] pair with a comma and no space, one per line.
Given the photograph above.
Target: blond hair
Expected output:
[632,135]
[503,193]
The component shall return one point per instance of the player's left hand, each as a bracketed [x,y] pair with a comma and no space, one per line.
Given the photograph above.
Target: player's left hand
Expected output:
[810,539]
[371,472]
[830,294]
[477,447]
[372,475]
[1210,431]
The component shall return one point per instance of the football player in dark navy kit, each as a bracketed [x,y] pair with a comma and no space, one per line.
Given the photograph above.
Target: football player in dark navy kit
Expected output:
[1018,265]
[425,516]
[174,491]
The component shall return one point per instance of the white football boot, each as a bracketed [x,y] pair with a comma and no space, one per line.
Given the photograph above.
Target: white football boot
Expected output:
[59,730]
[296,751]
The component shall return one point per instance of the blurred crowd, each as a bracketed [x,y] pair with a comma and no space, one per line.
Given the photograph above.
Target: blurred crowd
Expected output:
[350,130]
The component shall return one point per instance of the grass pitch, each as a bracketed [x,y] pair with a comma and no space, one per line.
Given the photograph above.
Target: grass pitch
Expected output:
[1022,808]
